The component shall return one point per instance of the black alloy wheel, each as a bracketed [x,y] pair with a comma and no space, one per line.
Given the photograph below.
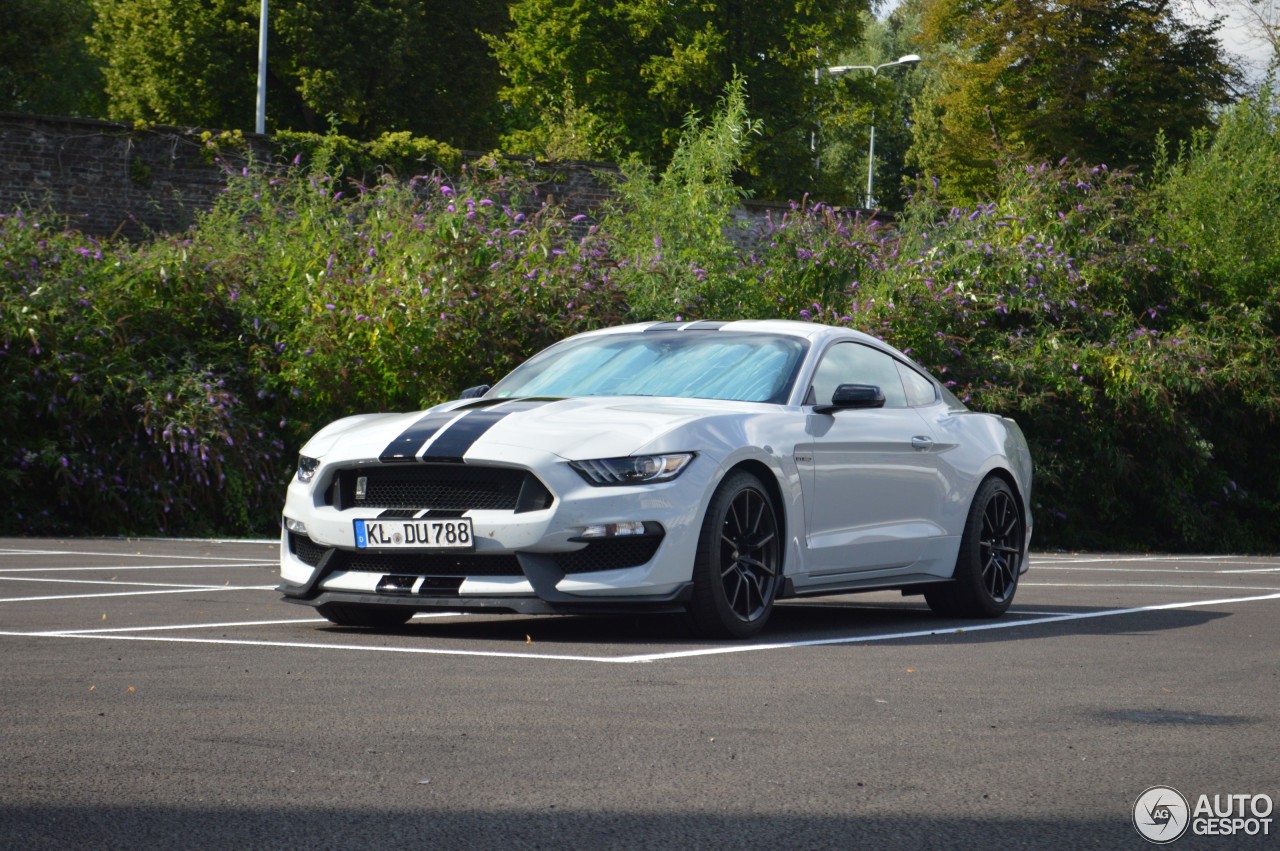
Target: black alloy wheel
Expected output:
[739,563]
[992,550]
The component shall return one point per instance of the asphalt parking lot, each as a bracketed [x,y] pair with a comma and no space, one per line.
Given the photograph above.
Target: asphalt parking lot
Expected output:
[160,694]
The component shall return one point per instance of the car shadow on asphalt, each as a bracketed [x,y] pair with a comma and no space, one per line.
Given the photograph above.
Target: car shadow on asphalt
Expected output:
[800,622]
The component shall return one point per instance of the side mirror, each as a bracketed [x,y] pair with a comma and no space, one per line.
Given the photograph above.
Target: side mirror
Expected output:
[852,396]
[474,392]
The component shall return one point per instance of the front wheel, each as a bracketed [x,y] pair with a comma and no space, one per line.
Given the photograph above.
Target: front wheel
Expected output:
[992,550]
[739,561]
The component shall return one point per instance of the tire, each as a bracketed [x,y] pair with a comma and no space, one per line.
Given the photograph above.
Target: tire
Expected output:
[738,567]
[990,558]
[354,614]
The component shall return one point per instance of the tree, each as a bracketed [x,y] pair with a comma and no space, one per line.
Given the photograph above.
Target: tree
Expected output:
[44,66]
[385,65]
[366,66]
[859,101]
[187,62]
[1092,80]
[625,75]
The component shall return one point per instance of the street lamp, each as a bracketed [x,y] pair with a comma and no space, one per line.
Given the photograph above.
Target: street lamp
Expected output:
[260,122]
[836,70]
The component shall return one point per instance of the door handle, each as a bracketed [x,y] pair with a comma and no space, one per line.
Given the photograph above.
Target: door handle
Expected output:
[921,442]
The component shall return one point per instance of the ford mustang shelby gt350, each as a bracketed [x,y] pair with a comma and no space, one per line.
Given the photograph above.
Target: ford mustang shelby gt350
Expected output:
[706,467]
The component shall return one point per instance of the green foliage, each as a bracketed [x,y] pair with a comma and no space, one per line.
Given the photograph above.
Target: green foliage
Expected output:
[1058,304]
[164,386]
[413,65]
[374,67]
[178,62]
[1221,196]
[44,66]
[1087,79]
[626,74]
[857,101]
[671,232]
[398,153]
[126,401]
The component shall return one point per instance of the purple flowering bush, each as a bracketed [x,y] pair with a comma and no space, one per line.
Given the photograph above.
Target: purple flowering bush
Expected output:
[165,386]
[125,390]
[399,295]
[1061,304]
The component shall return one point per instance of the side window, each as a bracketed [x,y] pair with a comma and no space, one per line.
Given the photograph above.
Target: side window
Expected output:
[853,363]
[919,389]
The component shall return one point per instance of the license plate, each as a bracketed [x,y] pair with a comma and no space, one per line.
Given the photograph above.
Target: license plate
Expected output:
[452,534]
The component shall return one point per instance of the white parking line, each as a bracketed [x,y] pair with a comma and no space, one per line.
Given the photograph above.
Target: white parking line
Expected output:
[133,567]
[925,633]
[56,632]
[1177,570]
[659,657]
[118,584]
[1143,585]
[1069,559]
[27,552]
[186,589]
[306,645]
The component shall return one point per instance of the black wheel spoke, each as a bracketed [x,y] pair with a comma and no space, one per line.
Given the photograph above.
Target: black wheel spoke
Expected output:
[749,555]
[1000,546]
[758,564]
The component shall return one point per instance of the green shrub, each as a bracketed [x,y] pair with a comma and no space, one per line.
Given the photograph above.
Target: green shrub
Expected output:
[401,154]
[670,233]
[129,404]
[1060,305]
[165,387]
[1220,199]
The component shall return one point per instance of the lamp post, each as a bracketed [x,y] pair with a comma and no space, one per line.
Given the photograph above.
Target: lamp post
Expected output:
[837,70]
[260,123]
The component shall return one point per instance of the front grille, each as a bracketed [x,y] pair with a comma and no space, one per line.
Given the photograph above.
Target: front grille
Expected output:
[427,564]
[452,487]
[307,550]
[610,554]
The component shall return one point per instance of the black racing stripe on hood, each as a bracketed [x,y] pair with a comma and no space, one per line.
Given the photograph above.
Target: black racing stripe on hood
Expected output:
[406,446]
[454,441]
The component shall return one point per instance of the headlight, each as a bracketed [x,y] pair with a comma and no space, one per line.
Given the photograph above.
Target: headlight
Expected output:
[637,470]
[307,468]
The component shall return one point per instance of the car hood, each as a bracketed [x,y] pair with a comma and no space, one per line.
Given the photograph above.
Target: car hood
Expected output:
[575,429]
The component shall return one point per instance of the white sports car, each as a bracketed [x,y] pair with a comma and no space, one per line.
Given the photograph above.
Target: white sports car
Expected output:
[707,467]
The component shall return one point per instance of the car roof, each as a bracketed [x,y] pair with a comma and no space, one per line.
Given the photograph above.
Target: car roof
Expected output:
[812,331]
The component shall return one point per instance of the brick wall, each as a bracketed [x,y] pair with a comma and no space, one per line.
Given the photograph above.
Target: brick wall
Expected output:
[110,178]
[107,178]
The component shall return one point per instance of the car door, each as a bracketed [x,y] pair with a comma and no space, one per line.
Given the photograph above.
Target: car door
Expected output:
[874,494]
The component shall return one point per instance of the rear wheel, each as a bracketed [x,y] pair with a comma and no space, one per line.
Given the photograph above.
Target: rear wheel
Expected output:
[739,561]
[990,559]
[354,614]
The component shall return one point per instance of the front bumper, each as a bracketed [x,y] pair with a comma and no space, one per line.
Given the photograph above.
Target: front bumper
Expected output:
[531,562]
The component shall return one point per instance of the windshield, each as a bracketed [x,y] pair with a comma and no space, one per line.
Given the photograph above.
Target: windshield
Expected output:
[729,365]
